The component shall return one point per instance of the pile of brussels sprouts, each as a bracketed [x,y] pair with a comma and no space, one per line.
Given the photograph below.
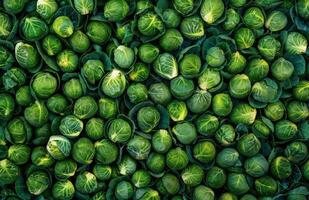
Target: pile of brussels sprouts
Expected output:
[154,99]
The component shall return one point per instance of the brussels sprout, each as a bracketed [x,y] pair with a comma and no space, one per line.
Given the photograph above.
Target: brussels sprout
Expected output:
[256,166]
[42,134]
[106,151]
[7,106]
[33,28]
[265,91]
[199,102]
[124,56]
[185,132]
[254,18]
[227,157]
[204,152]
[305,170]
[44,84]
[63,26]
[41,158]
[137,93]
[19,154]
[285,129]
[237,183]
[36,114]
[207,124]
[276,21]
[150,24]
[161,141]
[260,129]
[190,65]
[9,172]
[79,41]
[57,104]
[86,182]
[192,175]
[155,162]
[26,55]
[95,128]
[141,178]
[296,152]
[23,96]
[238,3]
[67,60]
[148,118]
[257,69]
[266,186]
[84,7]
[166,66]
[13,77]
[297,111]
[65,169]
[37,182]
[171,18]
[244,38]
[168,184]
[18,131]
[102,172]
[181,87]
[116,10]
[107,108]
[296,43]
[59,147]
[139,147]
[282,69]
[274,111]
[119,130]
[215,177]
[215,57]
[177,159]
[301,91]
[124,190]
[237,63]
[127,166]
[73,89]
[302,6]
[212,10]
[240,86]
[93,71]
[85,107]
[6,25]
[183,7]
[225,135]
[192,28]
[248,197]
[148,52]
[139,73]
[46,8]
[243,113]
[6,58]
[63,190]
[202,192]
[171,40]
[114,83]
[177,110]
[98,32]
[222,104]
[160,93]
[281,168]
[83,151]
[269,47]
[232,19]
[209,79]
[249,145]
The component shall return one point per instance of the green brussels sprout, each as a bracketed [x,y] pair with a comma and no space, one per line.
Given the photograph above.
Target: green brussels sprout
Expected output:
[85,107]
[139,147]
[161,141]
[18,131]
[86,182]
[238,3]
[57,104]
[269,47]
[192,28]
[150,24]
[256,166]
[184,7]
[41,158]
[102,172]
[257,69]
[192,175]
[227,157]
[6,58]
[171,18]
[38,182]
[114,83]
[44,84]
[248,197]
[7,106]
[19,153]
[166,66]
[296,151]
[254,18]
[222,104]
[155,162]
[282,69]
[124,190]
[33,28]
[265,91]
[107,108]
[281,168]
[127,165]
[300,91]
[204,152]
[59,147]
[79,41]
[106,151]
[305,170]
[266,186]
[215,57]
[116,10]
[83,151]
[177,110]
[63,190]
[215,177]
[63,26]
[248,145]
[73,89]
[95,128]
[26,55]
[244,38]
[98,32]
[67,60]
[42,134]
[243,113]
[168,184]
[148,52]
[139,73]
[160,93]
[65,169]
[228,196]
[276,21]
[14,6]
[199,102]
[177,159]
[225,135]
[302,6]
[237,63]
[119,130]
[36,114]
[190,65]
[141,178]
[275,111]
[124,32]
[237,183]
[9,172]
[84,7]
[268,3]
[137,93]
[240,86]
[13,77]
[148,118]
[285,129]
[212,10]
[124,56]
[260,129]
[6,25]
[23,96]
[297,111]
[232,19]
[207,124]
[181,88]
[93,71]
[46,8]
[185,132]
[209,79]
[171,40]
[296,43]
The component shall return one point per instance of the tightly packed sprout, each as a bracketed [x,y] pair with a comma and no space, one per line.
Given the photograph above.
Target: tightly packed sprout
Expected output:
[154,99]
